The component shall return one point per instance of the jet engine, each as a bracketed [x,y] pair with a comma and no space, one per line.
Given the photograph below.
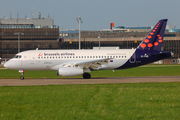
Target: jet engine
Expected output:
[69,71]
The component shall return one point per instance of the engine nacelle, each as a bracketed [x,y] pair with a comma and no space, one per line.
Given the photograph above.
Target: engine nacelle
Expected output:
[69,71]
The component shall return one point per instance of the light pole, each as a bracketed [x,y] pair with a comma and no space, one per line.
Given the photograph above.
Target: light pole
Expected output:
[18,33]
[99,38]
[79,21]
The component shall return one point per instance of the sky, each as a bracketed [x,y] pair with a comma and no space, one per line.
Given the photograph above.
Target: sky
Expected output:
[96,14]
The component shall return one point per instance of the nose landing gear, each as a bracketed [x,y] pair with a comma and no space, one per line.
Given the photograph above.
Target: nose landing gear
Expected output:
[22,74]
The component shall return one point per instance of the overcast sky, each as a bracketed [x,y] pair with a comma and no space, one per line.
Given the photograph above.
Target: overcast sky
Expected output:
[96,14]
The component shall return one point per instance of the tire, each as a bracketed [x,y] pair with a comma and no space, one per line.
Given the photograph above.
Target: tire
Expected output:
[22,78]
[86,76]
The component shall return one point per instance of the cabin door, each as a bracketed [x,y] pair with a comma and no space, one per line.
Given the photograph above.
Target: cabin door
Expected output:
[132,58]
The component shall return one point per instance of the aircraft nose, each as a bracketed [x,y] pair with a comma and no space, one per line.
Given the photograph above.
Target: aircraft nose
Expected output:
[6,65]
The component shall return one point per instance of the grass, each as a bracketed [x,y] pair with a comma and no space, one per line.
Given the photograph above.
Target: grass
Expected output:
[138,71]
[106,102]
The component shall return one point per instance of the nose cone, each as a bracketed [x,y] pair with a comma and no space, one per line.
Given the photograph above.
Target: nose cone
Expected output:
[6,65]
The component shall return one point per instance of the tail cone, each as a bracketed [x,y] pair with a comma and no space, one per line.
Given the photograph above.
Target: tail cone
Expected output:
[172,54]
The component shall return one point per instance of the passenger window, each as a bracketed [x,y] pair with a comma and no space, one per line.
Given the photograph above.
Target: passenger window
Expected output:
[104,56]
[107,56]
[110,56]
[96,56]
[87,56]
[93,56]
[90,56]
[84,56]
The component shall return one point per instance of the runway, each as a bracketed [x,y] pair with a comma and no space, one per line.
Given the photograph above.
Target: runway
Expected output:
[34,82]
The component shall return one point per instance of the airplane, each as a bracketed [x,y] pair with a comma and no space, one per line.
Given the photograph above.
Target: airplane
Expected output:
[82,62]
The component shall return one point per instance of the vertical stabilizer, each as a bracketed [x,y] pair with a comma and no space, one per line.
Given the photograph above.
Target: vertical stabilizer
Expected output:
[154,39]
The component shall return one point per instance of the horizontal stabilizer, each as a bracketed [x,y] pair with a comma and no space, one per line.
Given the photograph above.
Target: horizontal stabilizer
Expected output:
[159,54]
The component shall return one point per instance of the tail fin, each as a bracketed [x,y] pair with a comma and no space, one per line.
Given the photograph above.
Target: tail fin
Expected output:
[154,39]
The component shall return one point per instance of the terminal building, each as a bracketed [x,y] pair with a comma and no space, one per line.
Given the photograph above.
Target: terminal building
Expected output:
[41,33]
[31,31]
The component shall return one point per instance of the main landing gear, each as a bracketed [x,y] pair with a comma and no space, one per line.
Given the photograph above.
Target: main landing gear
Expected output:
[22,74]
[86,75]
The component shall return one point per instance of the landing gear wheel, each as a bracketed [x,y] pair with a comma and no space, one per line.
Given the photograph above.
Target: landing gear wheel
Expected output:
[22,77]
[86,76]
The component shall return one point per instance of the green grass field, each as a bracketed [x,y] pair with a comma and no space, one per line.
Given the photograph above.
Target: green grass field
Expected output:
[138,71]
[159,101]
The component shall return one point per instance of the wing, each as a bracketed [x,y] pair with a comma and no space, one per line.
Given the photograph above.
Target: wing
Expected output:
[94,64]
[85,65]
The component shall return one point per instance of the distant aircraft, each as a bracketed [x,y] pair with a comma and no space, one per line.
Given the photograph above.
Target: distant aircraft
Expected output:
[81,62]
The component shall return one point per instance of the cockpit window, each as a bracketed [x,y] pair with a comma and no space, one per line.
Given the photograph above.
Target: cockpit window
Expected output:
[14,56]
[17,56]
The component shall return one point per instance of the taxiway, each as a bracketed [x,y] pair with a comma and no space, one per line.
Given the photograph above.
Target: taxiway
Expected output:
[34,82]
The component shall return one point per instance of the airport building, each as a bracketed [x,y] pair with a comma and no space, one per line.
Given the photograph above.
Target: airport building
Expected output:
[29,31]
[41,33]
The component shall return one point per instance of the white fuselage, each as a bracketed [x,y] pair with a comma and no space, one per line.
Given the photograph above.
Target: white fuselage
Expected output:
[53,59]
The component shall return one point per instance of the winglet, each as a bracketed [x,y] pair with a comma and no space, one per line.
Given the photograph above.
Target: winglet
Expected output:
[154,40]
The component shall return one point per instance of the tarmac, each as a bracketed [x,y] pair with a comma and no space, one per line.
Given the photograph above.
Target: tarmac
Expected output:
[69,81]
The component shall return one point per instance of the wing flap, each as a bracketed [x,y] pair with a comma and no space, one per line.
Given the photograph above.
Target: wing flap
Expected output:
[93,64]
